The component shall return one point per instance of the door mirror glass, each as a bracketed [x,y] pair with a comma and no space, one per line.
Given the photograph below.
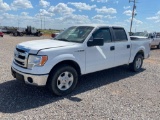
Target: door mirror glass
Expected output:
[95,42]
[152,36]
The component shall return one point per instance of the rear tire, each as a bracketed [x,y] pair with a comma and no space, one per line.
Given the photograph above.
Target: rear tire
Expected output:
[158,46]
[21,34]
[136,65]
[62,80]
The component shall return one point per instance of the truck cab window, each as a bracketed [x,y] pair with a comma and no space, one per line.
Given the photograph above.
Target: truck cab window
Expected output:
[158,35]
[120,34]
[103,33]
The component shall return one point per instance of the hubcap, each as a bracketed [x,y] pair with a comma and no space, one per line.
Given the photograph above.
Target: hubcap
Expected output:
[138,63]
[65,81]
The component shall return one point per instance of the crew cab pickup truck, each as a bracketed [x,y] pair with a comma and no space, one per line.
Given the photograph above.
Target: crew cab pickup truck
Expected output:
[79,50]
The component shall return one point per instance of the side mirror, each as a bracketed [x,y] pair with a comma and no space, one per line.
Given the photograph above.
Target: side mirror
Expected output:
[152,36]
[95,42]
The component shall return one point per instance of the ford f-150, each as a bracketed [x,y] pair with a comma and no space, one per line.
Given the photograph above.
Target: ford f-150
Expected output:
[79,50]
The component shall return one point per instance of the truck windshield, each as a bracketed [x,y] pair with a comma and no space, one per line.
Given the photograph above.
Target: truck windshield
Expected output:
[144,34]
[75,34]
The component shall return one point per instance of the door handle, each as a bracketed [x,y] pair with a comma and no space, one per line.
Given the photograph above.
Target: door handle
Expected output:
[128,46]
[112,48]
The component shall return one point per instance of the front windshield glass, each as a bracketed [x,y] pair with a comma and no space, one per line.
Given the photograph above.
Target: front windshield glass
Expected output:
[75,34]
[141,34]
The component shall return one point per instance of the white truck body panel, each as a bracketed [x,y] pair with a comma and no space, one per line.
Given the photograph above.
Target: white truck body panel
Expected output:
[89,59]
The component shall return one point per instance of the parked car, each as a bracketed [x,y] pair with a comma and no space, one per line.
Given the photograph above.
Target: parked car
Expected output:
[1,33]
[53,35]
[155,38]
[77,51]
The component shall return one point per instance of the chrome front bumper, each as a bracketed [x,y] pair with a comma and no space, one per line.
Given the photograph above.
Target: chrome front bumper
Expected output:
[38,80]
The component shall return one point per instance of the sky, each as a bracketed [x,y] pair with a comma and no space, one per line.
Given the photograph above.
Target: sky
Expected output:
[61,14]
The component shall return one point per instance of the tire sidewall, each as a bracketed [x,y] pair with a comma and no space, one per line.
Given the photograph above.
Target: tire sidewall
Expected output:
[159,46]
[135,68]
[55,75]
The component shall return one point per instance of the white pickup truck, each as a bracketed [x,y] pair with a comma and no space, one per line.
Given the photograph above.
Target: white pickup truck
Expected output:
[58,63]
[155,38]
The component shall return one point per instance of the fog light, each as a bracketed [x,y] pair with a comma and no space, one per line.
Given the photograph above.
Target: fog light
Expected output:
[30,80]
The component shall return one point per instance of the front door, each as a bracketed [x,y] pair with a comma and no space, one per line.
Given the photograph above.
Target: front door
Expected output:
[100,57]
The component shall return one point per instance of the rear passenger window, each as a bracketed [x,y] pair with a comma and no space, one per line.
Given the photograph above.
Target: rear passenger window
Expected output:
[158,35]
[120,34]
[103,33]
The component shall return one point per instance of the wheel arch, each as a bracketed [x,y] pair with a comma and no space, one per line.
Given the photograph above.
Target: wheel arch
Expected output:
[140,52]
[67,62]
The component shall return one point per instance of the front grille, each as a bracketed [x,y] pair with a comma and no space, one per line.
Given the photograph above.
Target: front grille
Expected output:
[20,57]
[19,50]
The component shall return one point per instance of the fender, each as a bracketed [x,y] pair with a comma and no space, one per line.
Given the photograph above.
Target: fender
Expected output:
[133,54]
[64,57]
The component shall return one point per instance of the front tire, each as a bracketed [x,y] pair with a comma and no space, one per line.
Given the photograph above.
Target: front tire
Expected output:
[62,80]
[136,65]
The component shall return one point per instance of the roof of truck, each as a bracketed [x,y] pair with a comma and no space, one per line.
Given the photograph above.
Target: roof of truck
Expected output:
[99,25]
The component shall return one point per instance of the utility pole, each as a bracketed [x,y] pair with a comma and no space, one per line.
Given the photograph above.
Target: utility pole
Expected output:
[41,23]
[18,23]
[133,14]
[44,22]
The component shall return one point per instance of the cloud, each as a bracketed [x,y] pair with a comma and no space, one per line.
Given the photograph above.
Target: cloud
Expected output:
[44,3]
[116,2]
[128,12]
[4,6]
[82,6]
[101,1]
[158,13]
[134,20]
[74,19]
[21,4]
[106,10]
[156,18]
[127,7]
[8,16]
[137,21]
[109,17]
[24,13]
[21,20]
[43,12]
[98,17]
[153,18]
[61,8]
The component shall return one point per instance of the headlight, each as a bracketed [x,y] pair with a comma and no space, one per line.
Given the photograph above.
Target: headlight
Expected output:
[34,60]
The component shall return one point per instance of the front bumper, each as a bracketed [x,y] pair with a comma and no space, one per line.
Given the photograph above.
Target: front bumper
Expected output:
[38,80]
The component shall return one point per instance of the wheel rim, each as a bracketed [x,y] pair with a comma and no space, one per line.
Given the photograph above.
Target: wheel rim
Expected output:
[138,63]
[65,81]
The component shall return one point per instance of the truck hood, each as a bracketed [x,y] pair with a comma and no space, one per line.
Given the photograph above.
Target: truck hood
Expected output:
[36,45]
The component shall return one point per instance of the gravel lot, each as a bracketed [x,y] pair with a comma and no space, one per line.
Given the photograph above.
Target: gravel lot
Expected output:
[112,94]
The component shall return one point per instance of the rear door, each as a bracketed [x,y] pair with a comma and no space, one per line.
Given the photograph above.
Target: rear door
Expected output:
[122,46]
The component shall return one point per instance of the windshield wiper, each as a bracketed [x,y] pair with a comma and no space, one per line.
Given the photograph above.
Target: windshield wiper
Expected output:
[63,39]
